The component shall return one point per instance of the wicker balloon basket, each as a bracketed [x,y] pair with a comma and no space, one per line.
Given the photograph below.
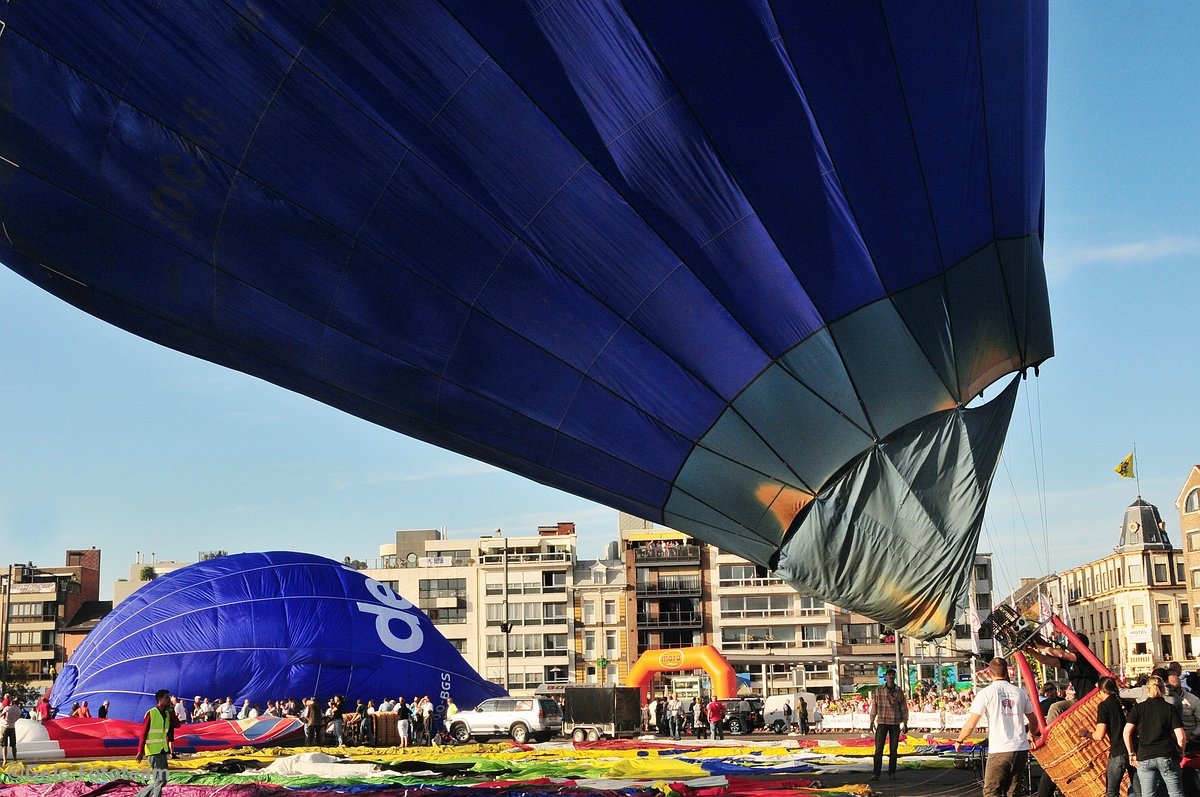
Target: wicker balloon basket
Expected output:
[1070,756]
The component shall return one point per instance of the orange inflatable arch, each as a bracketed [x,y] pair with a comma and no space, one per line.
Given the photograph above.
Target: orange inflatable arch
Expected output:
[704,657]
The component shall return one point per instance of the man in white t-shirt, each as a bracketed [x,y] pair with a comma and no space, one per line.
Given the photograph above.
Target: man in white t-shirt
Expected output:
[1007,709]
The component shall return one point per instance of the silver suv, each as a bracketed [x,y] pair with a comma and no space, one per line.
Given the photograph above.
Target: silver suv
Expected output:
[520,718]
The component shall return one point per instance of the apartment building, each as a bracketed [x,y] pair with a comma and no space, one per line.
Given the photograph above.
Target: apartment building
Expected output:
[600,642]
[502,601]
[39,605]
[1187,504]
[687,592]
[1133,604]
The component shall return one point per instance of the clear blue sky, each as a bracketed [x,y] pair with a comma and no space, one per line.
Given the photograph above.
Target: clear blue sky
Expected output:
[108,440]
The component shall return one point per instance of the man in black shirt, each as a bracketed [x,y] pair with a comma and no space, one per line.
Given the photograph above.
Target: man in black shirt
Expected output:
[1159,727]
[1080,672]
[1110,724]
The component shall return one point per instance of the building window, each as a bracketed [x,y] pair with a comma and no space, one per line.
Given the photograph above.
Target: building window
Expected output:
[1164,613]
[981,573]
[1193,539]
[1183,616]
[590,675]
[458,644]
[443,588]
[554,644]
[447,616]
[1192,502]
[1187,646]
[1165,643]
[589,646]
[1135,574]
[589,612]
[610,612]
[32,611]
[1160,573]
[610,645]
[1139,614]
[1196,579]
[863,634]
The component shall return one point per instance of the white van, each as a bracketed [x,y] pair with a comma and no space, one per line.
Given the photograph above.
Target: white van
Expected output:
[773,714]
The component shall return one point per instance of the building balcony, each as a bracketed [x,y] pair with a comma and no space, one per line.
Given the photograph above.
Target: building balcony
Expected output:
[687,587]
[447,601]
[526,558]
[495,623]
[873,647]
[647,620]
[26,620]
[19,588]
[750,645]
[750,583]
[667,554]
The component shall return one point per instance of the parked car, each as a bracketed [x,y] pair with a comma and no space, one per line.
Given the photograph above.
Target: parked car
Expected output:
[519,718]
[738,721]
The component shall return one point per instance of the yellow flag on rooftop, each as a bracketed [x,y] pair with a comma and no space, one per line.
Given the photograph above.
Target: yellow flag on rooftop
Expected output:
[1125,469]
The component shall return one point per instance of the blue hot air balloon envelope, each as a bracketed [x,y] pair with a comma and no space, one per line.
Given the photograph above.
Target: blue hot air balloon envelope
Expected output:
[737,268]
[265,626]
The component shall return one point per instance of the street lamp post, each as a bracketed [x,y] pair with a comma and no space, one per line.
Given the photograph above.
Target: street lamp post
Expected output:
[837,678]
[506,626]
[7,614]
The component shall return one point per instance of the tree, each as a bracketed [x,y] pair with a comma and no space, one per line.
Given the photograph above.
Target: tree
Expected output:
[148,573]
[19,687]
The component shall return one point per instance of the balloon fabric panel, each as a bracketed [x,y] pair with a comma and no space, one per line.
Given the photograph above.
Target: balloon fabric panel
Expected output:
[702,264]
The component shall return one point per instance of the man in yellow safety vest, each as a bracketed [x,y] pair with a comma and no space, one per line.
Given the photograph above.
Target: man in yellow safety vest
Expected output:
[158,735]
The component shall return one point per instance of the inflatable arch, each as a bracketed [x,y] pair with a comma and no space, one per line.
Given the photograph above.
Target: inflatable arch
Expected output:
[705,657]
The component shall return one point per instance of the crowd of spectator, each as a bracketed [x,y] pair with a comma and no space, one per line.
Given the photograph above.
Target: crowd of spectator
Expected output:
[925,697]
[332,721]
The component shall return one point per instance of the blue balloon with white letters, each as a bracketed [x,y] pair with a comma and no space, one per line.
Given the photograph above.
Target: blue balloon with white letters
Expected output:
[265,626]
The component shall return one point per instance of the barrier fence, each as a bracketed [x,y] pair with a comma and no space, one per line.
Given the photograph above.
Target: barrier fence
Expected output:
[917,721]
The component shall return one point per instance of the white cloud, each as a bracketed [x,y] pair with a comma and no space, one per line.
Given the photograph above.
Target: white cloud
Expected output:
[1061,264]
[447,470]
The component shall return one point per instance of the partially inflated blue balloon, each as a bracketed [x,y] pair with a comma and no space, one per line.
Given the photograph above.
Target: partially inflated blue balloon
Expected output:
[265,626]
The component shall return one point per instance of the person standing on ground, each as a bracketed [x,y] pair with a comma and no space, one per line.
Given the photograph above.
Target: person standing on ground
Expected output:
[889,711]
[802,715]
[1160,742]
[314,723]
[675,711]
[1012,725]
[716,717]
[403,718]
[157,739]
[1110,724]
[427,720]
[366,724]
[9,715]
